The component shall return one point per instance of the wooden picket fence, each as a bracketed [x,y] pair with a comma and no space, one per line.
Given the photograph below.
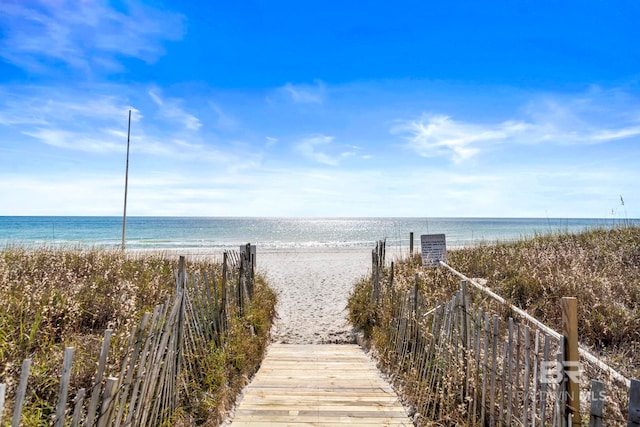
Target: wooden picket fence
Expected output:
[164,353]
[458,363]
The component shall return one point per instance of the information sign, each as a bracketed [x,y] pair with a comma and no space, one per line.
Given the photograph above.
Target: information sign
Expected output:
[434,249]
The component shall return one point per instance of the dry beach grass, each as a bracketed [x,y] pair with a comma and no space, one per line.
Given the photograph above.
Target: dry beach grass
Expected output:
[53,298]
[600,267]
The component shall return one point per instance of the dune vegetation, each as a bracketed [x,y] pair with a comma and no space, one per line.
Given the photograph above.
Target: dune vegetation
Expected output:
[600,267]
[53,298]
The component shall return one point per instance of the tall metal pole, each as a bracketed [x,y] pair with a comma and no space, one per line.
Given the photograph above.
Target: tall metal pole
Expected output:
[126,185]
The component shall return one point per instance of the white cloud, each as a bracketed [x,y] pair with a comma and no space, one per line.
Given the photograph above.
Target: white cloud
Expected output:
[305,94]
[309,147]
[86,35]
[438,135]
[550,121]
[88,122]
[172,110]
[72,140]
[613,134]
[223,121]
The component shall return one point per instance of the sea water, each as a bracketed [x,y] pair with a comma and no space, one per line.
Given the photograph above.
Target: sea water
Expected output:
[275,233]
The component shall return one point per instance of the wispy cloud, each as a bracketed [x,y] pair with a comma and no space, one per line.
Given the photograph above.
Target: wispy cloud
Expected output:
[86,35]
[222,120]
[172,109]
[309,147]
[438,135]
[305,94]
[573,122]
[312,148]
[105,142]
[94,123]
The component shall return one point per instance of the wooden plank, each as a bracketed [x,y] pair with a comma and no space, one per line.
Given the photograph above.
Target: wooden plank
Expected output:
[597,404]
[510,373]
[494,359]
[485,368]
[526,379]
[108,398]
[633,418]
[64,387]
[3,390]
[97,382]
[536,363]
[503,380]
[319,385]
[20,394]
[543,384]
[77,411]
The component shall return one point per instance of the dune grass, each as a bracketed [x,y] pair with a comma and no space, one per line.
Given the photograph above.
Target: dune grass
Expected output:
[600,267]
[52,298]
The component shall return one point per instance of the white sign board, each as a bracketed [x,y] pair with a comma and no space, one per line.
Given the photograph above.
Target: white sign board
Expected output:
[434,249]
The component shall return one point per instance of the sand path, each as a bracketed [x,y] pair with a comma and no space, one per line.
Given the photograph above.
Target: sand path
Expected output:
[313,286]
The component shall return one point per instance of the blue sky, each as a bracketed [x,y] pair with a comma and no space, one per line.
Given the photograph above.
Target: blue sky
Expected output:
[299,108]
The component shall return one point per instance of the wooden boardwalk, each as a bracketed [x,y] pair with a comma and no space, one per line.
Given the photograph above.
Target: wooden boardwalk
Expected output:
[319,385]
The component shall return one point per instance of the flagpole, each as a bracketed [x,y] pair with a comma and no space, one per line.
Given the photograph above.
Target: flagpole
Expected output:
[126,185]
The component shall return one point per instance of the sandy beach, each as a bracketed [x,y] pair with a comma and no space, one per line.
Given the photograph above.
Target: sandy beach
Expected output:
[313,286]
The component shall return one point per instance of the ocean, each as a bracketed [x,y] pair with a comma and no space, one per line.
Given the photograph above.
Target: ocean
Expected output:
[275,233]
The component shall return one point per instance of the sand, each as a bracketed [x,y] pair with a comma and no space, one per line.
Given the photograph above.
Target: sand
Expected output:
[313,286]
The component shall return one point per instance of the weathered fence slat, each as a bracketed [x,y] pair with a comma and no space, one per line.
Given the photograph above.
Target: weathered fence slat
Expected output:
[510,370]
[536,362]
[503,390]
[543,385]
[61,407]
[485,367]
[597,404]
[494,362]
[141,369]
[97,383]
[3,390]
[77,409]
[110,389]
[633,418]
[526,379]
[20,394]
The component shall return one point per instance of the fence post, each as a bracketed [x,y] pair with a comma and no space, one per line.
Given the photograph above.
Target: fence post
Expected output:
[249,273]
[240,290]
[223,313]
[374,275]
[415,294]
[597,403]
[411,243]
[181,273]
[571,357]
[633,418]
